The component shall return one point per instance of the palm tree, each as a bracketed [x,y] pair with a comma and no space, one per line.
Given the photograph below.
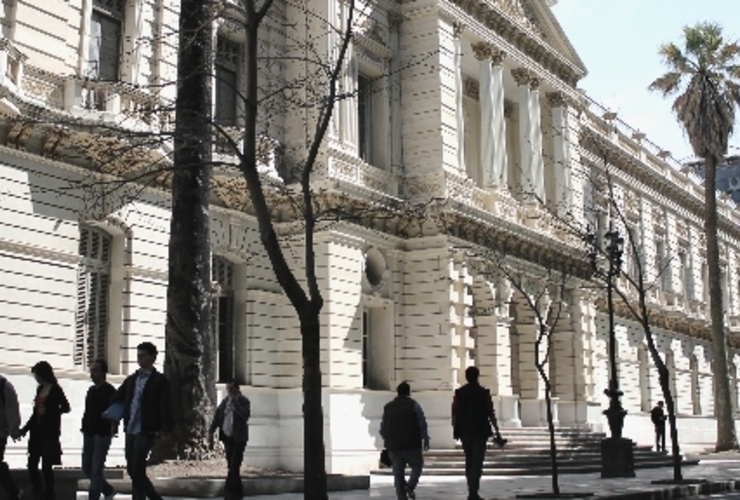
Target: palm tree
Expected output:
[706,77]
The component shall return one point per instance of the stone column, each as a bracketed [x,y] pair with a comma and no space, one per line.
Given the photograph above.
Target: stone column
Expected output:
[396,137]
[500,168]
[561,149]
[483,53]
[348,127]
[522,78]
[457,29]
[537,168]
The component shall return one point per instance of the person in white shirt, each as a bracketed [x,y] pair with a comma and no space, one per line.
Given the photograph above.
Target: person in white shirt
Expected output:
[231,420]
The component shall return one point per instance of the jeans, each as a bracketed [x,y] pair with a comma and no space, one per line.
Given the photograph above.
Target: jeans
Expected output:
[474,448]
[6,479]
[660,437]
[49,454]
[94,451]
[138,447]
[400,458]
[234,457]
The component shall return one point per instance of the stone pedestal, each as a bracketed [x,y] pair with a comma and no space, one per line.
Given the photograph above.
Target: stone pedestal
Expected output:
[507,411]
[617,458]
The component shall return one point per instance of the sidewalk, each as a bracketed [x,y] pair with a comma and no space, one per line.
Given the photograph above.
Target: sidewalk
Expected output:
[715,467]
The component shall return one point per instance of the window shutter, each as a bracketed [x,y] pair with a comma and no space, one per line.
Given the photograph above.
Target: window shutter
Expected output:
[83,292]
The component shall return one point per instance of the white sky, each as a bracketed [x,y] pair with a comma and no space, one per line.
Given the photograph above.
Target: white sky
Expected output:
[618,41]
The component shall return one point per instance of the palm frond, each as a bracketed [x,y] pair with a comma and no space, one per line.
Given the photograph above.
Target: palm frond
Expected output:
[668,83]
[728,53]
[675,59]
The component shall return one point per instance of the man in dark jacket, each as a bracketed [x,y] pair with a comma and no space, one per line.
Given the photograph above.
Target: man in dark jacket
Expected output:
[404,428]
[147,412]
[657,415]
[97,432]
[231,420]
[10,422]
[472,416]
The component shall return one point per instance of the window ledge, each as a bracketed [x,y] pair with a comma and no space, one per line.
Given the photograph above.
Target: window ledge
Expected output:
[348,167]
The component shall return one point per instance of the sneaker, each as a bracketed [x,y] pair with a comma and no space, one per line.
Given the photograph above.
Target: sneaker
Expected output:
[110,496]
[410,494]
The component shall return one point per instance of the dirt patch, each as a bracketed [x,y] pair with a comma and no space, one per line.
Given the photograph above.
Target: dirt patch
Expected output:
[209,469]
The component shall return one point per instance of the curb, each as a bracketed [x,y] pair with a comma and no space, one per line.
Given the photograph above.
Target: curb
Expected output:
[680,491]
[212,488]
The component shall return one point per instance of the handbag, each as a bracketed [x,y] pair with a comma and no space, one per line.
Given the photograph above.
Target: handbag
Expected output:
[114,412]
[385,458]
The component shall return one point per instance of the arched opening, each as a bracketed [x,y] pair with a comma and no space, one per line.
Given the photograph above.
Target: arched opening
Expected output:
[222,317]
[644,371]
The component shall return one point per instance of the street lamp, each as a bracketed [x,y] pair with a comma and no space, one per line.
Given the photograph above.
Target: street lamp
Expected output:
[616,452]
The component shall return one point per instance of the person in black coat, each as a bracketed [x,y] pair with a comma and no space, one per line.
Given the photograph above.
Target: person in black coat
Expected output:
[147,412]
[231,422]
[472,417]
[45,428]
[657,415]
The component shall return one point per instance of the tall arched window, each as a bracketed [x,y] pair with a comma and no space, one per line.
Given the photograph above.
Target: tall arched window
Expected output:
[695,386]
[222,313]
[93,295]
[644,368]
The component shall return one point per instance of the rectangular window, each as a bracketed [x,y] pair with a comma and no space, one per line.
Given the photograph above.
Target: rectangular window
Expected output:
[662,272]
[104,44]
[377,348]
[93,290]
[365,118]
[222,317]
[227,65]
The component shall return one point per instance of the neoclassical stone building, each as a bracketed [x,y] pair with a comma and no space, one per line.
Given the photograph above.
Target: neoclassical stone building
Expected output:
[471,103]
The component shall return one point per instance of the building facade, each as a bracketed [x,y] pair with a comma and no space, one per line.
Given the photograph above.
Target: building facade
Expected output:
[470,109]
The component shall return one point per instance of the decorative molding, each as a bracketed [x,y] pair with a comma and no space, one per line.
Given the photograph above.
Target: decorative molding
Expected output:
[534,82]
[471,87]
[556,99]
[395,20]
[457,29]
[497,56]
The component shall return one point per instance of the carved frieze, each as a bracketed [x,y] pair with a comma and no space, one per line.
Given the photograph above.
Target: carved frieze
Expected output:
[482,50]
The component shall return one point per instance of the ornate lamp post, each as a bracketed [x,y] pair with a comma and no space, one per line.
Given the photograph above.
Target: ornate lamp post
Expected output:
[616,452]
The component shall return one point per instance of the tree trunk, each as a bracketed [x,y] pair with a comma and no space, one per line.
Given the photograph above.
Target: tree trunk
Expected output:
[664,377]
[726,434]
[189,361]
[551,429]
[313,418]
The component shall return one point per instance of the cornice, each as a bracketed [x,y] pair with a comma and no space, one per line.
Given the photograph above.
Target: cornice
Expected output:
[668,192]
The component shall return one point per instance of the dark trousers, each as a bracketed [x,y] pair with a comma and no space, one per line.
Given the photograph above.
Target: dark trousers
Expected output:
[660,437]
[400,458]
[138,447]
[6,479]
[49,454]
[474,448]
[94,452]
[234,457]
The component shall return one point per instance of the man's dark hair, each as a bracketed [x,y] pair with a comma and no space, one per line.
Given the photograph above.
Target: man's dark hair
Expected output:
[148,347]
[233,382]
[45,372]
[471,374]
[660,403]
[404,389]
[103,365]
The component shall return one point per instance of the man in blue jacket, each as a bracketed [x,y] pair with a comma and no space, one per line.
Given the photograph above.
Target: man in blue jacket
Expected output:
[404,430]
[231,420]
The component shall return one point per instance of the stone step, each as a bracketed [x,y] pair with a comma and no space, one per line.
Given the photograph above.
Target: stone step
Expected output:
[519,457]
[591,467]
[532,461]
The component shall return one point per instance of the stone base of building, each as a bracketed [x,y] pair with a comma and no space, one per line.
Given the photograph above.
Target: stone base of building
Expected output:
[617,458]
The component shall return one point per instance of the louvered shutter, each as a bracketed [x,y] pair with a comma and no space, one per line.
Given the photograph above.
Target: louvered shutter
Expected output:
[83,292]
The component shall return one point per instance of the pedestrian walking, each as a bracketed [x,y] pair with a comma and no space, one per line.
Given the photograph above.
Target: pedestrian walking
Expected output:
[45,428]
[231,421]
[472,418]
[404,430]
[97,432]
[147,412]
[657,415]
[10,422]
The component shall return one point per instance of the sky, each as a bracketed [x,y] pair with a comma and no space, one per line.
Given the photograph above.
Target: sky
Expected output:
[618,41]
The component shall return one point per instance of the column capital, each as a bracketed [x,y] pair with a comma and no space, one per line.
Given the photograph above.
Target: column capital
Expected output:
[457,29]
[556,99]
[522,76]
[394,21]
[482,50]
[534,82]
[497,56]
